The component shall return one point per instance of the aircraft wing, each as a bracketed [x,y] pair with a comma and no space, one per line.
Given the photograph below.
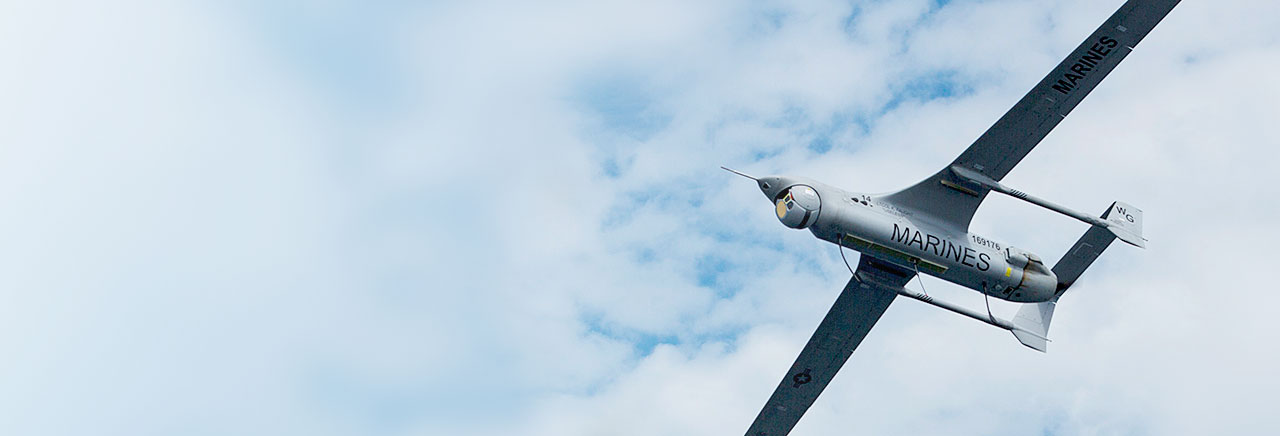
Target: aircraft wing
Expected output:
[950,199]
[858,308]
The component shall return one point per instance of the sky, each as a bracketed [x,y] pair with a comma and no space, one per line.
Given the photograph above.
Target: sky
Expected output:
[507,218]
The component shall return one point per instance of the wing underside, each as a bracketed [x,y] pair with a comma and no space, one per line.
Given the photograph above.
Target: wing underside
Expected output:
[866,297]
[950,199]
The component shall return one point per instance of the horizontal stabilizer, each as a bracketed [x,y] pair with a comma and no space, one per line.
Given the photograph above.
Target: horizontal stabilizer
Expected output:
[1081,255]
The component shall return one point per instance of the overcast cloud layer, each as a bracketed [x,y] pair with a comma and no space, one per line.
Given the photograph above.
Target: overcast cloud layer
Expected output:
[507,218]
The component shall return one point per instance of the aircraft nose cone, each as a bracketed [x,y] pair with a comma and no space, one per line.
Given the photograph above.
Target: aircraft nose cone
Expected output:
[771,186]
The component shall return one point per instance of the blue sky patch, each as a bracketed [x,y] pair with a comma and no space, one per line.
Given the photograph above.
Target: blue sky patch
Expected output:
[623,105]
[927,87]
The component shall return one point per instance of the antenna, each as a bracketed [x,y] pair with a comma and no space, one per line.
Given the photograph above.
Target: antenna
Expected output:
[740,173]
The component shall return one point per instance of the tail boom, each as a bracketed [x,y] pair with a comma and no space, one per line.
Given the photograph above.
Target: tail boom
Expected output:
[1122,221]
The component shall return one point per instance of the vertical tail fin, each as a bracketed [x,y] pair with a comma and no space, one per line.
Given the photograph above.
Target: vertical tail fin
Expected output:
[1126,222]
[1033,319]
[1032,322]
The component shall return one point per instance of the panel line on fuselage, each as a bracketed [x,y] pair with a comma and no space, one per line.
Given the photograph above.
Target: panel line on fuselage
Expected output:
[892,255]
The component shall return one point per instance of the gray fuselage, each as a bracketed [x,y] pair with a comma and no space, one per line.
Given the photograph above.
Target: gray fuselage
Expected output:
[912,240]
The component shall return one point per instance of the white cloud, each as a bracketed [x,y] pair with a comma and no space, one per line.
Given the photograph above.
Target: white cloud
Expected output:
[494,218]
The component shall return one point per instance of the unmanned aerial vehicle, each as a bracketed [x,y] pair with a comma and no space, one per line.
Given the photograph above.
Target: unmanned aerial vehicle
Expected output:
[925,228]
